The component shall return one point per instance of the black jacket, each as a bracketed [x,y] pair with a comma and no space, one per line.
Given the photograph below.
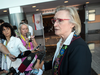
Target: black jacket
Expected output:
[76,59]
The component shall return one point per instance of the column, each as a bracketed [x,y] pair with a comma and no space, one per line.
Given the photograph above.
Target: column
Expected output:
[16,15]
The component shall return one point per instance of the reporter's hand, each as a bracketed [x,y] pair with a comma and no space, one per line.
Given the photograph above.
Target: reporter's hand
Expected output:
[32,37]
[32,51]
[38,65]
[12,57]
[4,71]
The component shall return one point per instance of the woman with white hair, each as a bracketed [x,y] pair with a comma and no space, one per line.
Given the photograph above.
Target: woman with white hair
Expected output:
[72,55]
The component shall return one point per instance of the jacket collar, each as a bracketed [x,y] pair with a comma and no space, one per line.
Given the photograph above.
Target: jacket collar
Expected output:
[68,40]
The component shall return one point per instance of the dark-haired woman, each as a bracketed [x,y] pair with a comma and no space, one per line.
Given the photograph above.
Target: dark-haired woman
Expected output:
[13,44]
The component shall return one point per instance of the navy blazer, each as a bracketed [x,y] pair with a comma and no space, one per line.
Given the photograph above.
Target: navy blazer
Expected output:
[75,61]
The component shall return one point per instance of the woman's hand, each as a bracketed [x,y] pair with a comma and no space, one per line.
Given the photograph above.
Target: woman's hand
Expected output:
[38,65]
[32,38]
[12,57]
[35,51]
[34,41]
[4,71]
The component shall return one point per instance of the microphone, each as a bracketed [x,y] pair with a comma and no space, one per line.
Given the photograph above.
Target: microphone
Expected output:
[28,36]
[40,57]
[26,53]
[37,47]
[23,54]
[26,62]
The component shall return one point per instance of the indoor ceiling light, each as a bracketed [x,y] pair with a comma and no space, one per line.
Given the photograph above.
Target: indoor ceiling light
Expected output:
[87,2]
[33,6]
[65,1]
[4,10]
[37,9]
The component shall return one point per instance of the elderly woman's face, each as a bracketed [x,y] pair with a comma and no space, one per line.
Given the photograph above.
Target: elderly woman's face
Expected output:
[24,30]
[6,31]
[62,25]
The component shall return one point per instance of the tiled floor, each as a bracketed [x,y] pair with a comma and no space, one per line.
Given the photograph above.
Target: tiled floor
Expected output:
[96,58]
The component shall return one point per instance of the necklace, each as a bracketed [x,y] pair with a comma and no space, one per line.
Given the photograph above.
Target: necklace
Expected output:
[6,46]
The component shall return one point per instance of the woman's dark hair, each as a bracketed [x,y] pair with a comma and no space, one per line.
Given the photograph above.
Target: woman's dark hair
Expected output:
[25,21]
[7,25]
[14,27]
[1,21]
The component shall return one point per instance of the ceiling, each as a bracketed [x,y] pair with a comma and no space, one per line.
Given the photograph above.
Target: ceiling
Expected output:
[48,5]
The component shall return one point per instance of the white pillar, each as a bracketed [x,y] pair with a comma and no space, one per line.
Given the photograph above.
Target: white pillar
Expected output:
[16,15]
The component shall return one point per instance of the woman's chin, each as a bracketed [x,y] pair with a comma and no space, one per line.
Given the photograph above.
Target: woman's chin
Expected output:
[56,33]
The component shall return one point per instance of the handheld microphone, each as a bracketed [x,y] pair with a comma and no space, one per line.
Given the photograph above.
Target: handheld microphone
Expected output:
[40,57]
[37,47]
[26,53]
[23,54]
[28,35]
[26,62]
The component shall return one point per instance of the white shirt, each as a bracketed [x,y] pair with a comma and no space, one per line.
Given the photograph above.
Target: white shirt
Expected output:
[30,29]
[14,46]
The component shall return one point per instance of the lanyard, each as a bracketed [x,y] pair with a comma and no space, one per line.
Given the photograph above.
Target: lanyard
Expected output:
[6,46]
[6,59]
[25,40]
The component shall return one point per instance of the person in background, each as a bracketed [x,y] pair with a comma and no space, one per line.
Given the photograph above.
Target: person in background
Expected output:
[13,44]
[23,30]
[72,55]
[30,27]
[1,21]
[16,31]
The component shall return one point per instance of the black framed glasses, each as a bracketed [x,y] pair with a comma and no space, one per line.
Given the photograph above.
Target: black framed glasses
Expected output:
[58,20]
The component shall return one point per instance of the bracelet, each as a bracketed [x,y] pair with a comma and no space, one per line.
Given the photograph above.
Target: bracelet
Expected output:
[35,71]
[8,54]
